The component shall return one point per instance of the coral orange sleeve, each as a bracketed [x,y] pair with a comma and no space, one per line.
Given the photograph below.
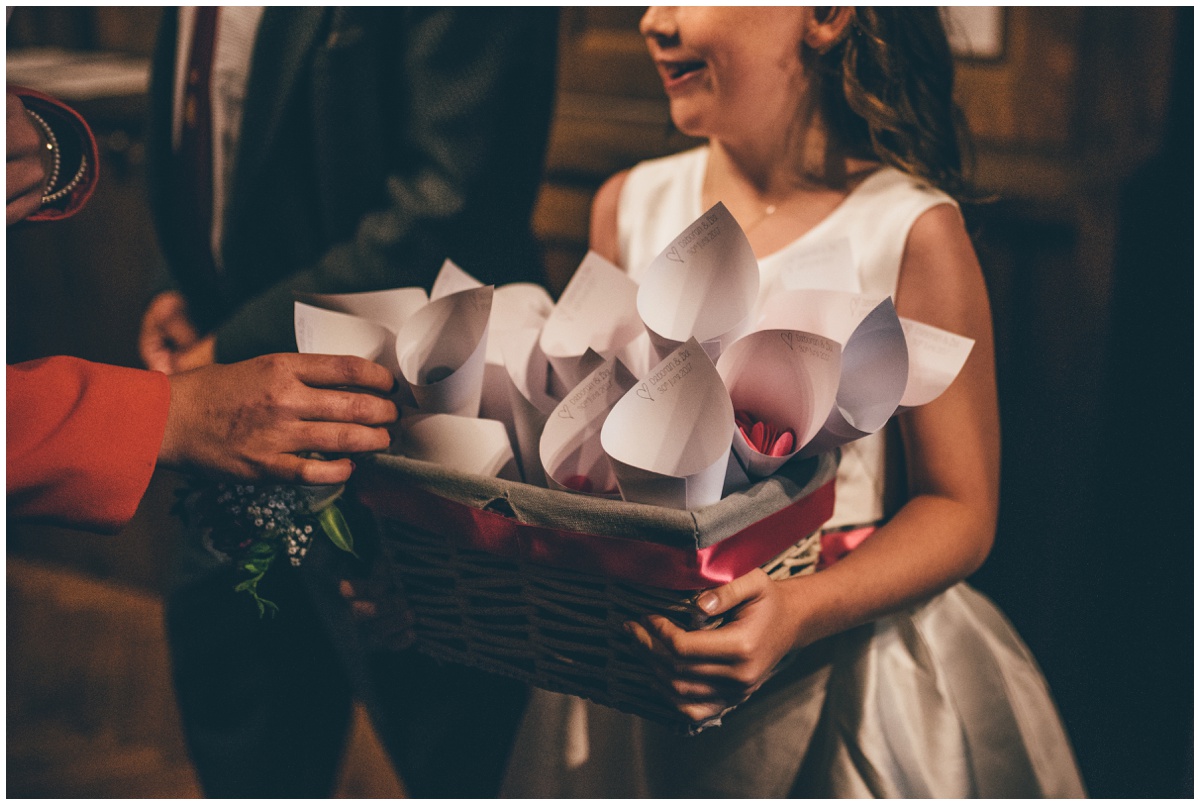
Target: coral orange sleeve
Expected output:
[83,439]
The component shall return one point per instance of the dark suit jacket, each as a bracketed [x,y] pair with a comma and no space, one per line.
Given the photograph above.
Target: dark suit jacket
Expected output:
[375,143]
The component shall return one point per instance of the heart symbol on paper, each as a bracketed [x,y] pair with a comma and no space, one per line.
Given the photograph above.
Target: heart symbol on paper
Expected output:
[644,392]
[565,413]
[673,254]
[786,335]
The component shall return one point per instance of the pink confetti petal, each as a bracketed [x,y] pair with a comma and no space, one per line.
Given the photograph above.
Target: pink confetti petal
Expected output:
[580,483]
[745,435]
[764,437]
[756,436]
[783,445]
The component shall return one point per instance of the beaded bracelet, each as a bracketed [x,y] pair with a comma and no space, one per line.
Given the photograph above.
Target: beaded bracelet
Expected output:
[54,196]
[52,145]
[69,187]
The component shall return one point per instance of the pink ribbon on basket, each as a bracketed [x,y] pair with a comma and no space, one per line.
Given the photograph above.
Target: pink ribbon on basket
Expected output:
[836,544]
[649,563]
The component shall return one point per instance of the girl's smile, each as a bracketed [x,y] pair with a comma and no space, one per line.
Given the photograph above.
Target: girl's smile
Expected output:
[726,70]
[676,73]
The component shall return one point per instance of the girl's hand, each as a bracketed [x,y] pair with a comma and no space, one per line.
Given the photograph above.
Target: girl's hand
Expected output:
[706,672]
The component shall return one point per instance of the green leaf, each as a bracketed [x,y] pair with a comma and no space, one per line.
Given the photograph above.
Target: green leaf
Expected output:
[263,549]
[322,496]
[264,606]
[250,586]
[336,529]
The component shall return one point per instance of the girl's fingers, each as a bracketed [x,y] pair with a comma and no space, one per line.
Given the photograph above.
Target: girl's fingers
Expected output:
[665,665]
[692,691]
[701,711]
[739,591]
[699,708]
[698,693]
[643,639]
[696,678]
[724,644]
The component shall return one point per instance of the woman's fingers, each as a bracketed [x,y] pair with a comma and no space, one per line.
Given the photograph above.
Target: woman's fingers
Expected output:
[24,179]
[292,469]
[328,405]
[249,420]
[22,206]
[331,371]
[334,437]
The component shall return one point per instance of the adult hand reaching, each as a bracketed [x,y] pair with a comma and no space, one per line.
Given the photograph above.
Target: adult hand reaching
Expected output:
[167,333]
[250,420]
[26,171]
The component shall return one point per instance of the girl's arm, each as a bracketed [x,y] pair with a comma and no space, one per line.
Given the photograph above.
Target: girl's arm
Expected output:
[603,230]
[939,537]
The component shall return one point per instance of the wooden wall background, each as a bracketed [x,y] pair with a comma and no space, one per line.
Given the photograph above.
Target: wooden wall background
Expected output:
[1084,133]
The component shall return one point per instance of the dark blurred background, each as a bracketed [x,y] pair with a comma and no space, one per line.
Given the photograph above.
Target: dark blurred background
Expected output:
[1083,124]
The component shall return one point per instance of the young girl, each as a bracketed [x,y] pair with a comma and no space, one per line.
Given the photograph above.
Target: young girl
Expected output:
[893,678]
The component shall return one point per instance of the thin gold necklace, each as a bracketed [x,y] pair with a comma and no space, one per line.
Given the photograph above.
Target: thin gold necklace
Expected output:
[767,213]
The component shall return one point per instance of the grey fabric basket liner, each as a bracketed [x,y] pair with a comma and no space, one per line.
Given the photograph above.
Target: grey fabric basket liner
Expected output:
[566,511]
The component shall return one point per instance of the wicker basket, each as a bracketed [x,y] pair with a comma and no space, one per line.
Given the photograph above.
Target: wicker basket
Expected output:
[531,605]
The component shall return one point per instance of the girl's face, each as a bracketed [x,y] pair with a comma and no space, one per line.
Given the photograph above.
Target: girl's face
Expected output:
[729,72]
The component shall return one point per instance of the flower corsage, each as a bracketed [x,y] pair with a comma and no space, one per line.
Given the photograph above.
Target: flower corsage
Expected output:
[252,525]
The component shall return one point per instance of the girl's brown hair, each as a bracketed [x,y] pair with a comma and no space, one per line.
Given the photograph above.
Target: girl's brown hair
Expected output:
[888,92]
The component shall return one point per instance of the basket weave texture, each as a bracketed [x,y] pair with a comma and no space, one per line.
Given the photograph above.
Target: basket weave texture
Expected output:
[561,628]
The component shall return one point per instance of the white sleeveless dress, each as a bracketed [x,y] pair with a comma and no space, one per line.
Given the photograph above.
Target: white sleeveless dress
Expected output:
[940,700]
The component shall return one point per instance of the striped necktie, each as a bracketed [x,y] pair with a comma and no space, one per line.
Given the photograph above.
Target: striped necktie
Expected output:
[195,163]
